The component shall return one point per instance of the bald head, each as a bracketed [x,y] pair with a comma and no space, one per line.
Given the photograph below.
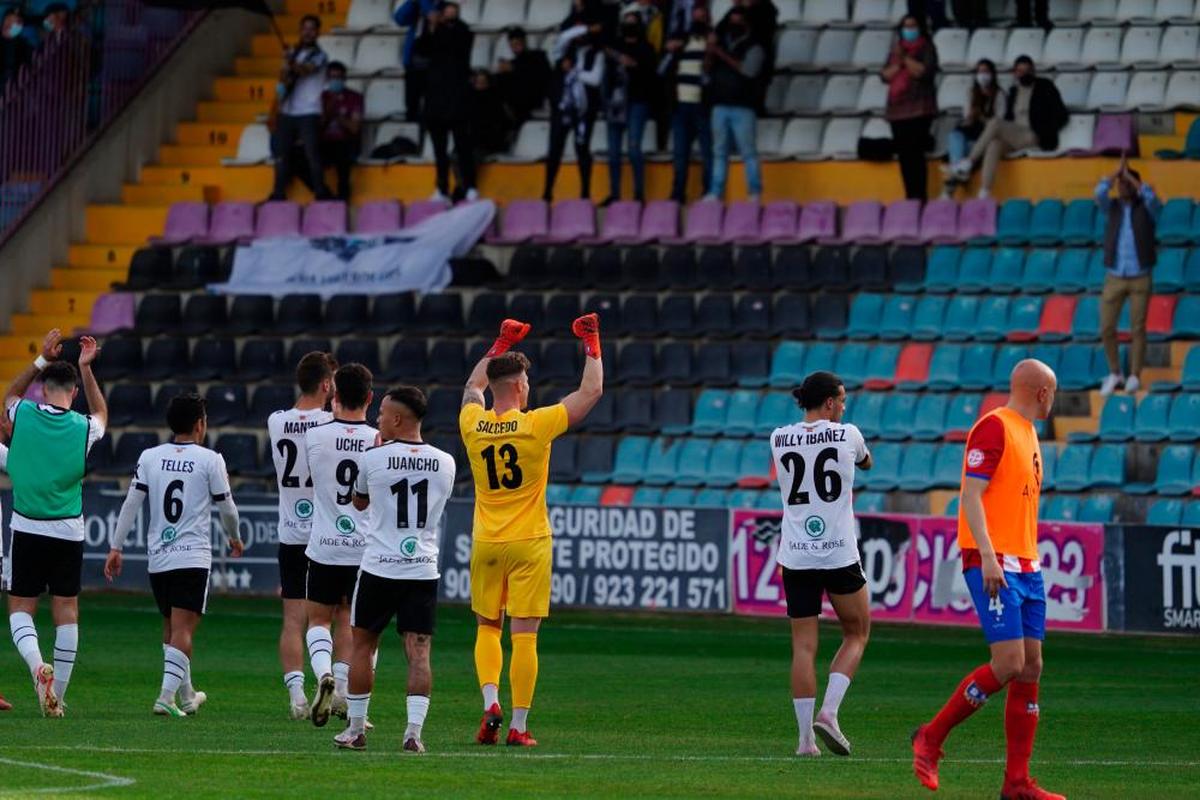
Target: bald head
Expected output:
[1031,388]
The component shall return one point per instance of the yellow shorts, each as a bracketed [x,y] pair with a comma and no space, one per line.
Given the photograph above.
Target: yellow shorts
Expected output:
[512,577]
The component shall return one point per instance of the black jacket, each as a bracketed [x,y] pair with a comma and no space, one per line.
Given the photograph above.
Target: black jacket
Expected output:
[447,50]
[1047,114]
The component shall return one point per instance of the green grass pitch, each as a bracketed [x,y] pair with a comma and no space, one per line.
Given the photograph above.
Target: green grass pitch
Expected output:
[627,706]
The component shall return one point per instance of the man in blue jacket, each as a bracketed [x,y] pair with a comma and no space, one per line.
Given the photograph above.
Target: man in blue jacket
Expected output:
[412,14]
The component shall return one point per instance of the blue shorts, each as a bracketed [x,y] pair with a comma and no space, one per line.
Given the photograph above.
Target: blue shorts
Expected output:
[1016,612]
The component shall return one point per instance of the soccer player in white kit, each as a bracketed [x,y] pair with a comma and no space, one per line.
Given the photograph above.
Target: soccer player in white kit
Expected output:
[818,550]
[405,483]
[336,543]
[314,377]
[182,479]
[4,561]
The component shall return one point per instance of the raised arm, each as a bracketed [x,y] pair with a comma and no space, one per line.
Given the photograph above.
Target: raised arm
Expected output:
[591,386]
[51,349]
[476,382]
[512,331]
[88,350]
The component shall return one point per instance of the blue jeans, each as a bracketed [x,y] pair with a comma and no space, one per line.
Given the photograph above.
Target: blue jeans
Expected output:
[958,146]
[636,116]
[691,121]
[741,125]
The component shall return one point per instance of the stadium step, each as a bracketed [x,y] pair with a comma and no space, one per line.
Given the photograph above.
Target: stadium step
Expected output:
[1065,426]
[140,194]
[1152,374]
[290,23]
[209,133]
[107,256]
[38,324]
[244,90]
[1150,143]
[100,280]
[195,155]
[62,302]
[938,499]
[23,347]
[133,225]
[319,7]
[227,112]
[1183,121]
[227,183]
[248,66]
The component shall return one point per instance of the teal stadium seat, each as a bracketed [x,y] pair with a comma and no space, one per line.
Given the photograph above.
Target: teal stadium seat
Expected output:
[1191,514]
[951,507]
[693,464]
[1007,356]
[724,462]
[962,315]
[929,318]
[1046,223]
[1175,221]
[975,270]
[1048,354]
[1184,422]
[1008,269]
[1167,511]
[787,365]
[1174,476]
[661,462]
[1169,270]
[929,420]
[1075,368]
[1151,421]
[866,311]
[647,496]
[820,358]
[1079,222]
[1040,275]
[1191,145]
[1049,466]
[743,413]
[754,463]
[916,471]
[977,361]
[897,317]
[1186,323]
[1070,272]
[1190,378]
[586,495]
[947,467]
[881,366]
[1085,326]
[685,496]
[865,410]
[1101,225]
[992,324]
[851,365]
[767,500]
[944,368]
[1108,467]
[1116,420]
[1191,271]
[1013,222]
[941,269]
[557,494]
[961,413]
[884,476]
[1097,508]
[776,410]
[899,416]
[742,498]
[1096,272]
[712,409]
[708,497]
[1061,508]
[870,502]
[1073,470]
[1024,316]
[629,466]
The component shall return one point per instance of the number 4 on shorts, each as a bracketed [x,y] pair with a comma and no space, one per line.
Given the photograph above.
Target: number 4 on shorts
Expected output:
[996,605]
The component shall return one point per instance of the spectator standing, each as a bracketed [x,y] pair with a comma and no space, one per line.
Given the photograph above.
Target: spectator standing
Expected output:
[1129,256]
[412,14]
[1034,114]
[1040,15]
[55,21]
[931,11]
[652,21]
[691,119]
[492,122]
[575,99]
[15,51]
[341,126]
[734,63]
[985,102]
[971,14]
[301,83]
[446,47]
[630,88]
[911,101]
[523,81]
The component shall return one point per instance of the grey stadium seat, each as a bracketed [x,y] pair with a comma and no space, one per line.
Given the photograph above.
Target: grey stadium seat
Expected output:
[794,49]
[872,97]
[499,14]
[1147,91]
[532,141]
[546,17]
[835,47]
[366,14]
[768,137]
[954,92]
[1077,135]
[804,94]
[777,94]
[871,49]
[1062,49]
[377,54]
[873,13]
[481,51]
[1102,48]
[339,48]
[802,138]
[388,131]
[1136,11]
[384,98]
[841,94]
[1064,12]
[1176,10]
[1183,89]
[1023,42]
[987,43]
[1108,90]
[1179,46]
[1073,86]
[951,44]
[791,12]
[1097,11]
[826,12]
[840,140]
[1140,48]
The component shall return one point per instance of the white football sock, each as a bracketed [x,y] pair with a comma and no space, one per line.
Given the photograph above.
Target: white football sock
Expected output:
[25,637]
[835,690]
[356,711]
[491,695]
[804,717]
[175,667]
[320,651]
[520,717]
[341,677]
[186,690]
[66,643]
[418,707]
[374,659]
[294,681]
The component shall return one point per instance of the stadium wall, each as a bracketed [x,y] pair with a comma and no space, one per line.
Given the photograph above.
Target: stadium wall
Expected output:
[118,155]
[1098,577]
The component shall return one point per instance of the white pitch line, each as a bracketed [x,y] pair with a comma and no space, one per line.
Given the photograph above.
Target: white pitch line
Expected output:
[106,781]
[602,756]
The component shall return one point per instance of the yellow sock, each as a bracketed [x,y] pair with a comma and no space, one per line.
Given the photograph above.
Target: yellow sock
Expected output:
[524,669]
[489,654]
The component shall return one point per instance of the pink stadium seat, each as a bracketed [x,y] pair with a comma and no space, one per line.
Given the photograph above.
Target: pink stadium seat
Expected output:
[523,220]
[422,210]
[379,216]
[112,312]
[742,222]
[324,218]
[912,368]
[621,222]
[660,221]
[277,218]
[818,221]
[185,222]
[231,221]
[702,222]
[779,221]
[1057,314]
[902,221]
[1114,135]
[977,219]
[939,222]
[570,220]
[861,223]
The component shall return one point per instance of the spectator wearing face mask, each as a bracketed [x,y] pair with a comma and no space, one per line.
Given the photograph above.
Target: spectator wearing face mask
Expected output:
[15,51]
[446,47]
[575,99]
[683,67]
[1034,114]
[911,102]
[985,102]
[341,126]
[524,80]
[631,84]
[55,20]
[734,63]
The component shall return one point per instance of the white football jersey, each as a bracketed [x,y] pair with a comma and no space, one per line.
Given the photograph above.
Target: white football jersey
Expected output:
[408,484]
[338,529]
[287,429]
[181,482]
[815,464]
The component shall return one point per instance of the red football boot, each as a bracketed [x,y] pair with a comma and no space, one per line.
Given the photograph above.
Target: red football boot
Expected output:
[489,726]
[925,759]
[4,704]
[520,739]
[1026,789]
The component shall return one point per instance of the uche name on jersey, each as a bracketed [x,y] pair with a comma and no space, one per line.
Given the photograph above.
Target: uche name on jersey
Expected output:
[410,464]
[827,436]
[351,445]
[170,465]
[496,427]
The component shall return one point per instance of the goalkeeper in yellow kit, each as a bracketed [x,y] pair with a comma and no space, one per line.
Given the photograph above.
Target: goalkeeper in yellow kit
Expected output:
[511,556]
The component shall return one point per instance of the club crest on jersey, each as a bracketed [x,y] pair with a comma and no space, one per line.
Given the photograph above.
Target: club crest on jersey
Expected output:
[345,526]
[304,508]
[169,534]
[814,526]
[409,546]
[975,457]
